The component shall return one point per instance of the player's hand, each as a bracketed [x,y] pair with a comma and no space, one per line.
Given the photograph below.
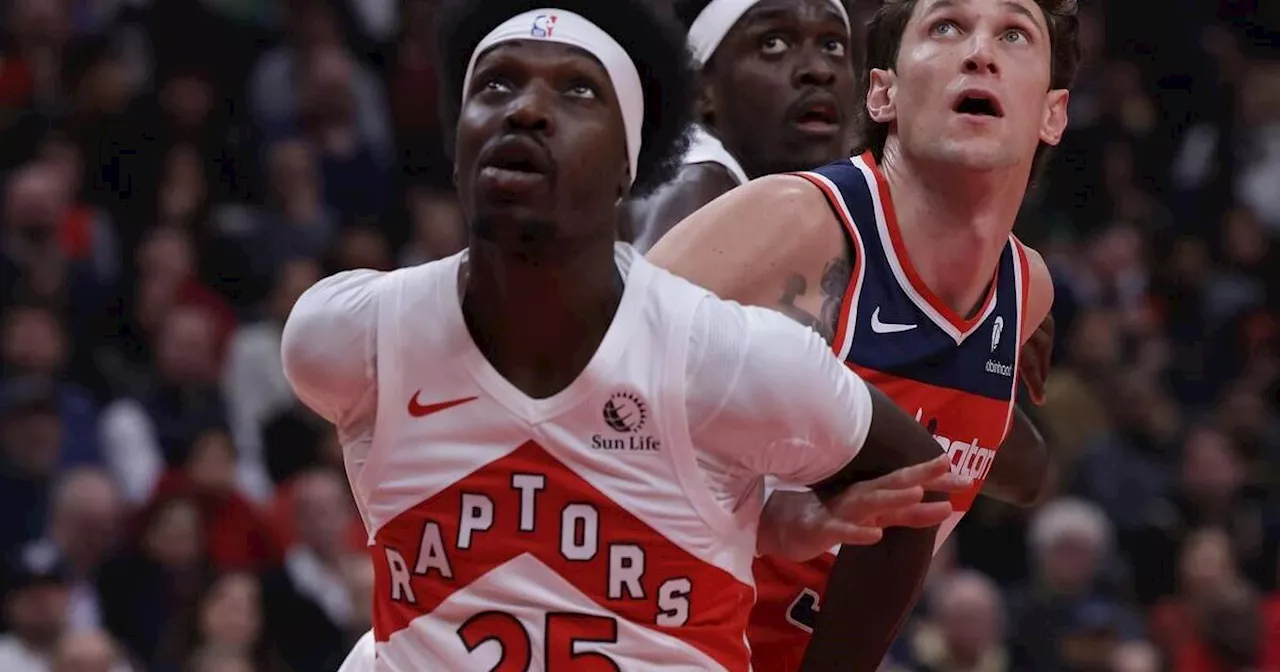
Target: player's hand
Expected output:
[1033,364]
[798,526]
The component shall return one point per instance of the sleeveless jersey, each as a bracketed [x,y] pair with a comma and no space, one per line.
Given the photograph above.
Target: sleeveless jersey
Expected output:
[957,376]
[706,148]
[567,533]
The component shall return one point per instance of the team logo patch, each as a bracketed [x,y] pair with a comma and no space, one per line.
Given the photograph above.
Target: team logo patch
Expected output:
[625,412]
[543,25]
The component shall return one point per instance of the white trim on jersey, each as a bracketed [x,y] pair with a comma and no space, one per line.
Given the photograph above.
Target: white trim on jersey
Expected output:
[896,265]
[707,148]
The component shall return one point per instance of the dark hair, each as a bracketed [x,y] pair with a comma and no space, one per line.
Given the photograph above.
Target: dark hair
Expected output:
[646,30]
[884,38]
[688,10]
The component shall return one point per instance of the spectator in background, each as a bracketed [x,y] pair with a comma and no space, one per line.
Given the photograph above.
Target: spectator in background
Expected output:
[356,171]
[1071,546]
[1135,656]
[88,651]
[85,520]
[142,435]
[253,379]
[33,343]
[309,605]
[31,76]
[966,629]
[437,228]
[30,436]
[35,608]
[275,98]
[227,617]
[157,578]
[87,233]
[237,534]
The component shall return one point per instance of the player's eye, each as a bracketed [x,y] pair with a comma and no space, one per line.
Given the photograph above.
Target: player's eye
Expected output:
[944,28]
[495,84]
[773,45]
[582,90]
[1016,35]
[835,48]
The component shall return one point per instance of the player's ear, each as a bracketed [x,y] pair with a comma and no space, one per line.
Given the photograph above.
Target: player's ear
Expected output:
[1054,121]
[881,91]
[624,182]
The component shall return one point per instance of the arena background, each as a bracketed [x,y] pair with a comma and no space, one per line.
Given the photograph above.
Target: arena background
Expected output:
[176,172]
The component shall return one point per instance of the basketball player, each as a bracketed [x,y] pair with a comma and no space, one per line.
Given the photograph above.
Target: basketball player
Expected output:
[775,83]
[557,448]
[929,295]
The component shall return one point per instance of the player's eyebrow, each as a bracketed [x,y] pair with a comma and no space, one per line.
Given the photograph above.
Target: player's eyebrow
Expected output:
[1010,5]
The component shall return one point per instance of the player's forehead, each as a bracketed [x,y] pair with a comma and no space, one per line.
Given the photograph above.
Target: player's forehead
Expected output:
[1029,9]
[770,11]
[542,58]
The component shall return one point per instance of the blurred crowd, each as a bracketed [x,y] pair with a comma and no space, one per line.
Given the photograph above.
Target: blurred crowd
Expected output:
[176,172]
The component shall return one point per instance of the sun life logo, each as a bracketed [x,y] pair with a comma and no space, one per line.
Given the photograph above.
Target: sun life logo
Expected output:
[543,25]
[624,412]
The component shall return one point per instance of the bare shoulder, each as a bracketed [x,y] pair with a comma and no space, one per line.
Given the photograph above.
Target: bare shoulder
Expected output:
[773,242]
[1039,287]
[747,235]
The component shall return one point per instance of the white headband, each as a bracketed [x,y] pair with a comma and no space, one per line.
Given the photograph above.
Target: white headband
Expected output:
[718,17]
[564,27]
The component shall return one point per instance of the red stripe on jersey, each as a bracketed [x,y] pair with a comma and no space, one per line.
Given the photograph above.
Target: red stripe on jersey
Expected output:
[969,427]
[913,276]
[528,502]
[851,292]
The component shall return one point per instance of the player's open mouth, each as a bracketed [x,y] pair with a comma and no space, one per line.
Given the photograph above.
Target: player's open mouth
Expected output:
[978,104]
[515,163]
[819,117]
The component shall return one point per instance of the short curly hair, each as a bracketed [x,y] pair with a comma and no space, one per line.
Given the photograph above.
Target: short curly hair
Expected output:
[646,30]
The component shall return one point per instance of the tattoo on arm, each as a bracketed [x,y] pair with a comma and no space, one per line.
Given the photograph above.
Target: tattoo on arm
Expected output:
[833,285]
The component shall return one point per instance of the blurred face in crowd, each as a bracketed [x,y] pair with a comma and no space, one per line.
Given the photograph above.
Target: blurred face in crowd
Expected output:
[1244,242]
[1095,340]
[1135,657]
[969,613]
[220,660]
[971,85]
[32,436]
[328,95]
[1260,94]
[91,651]
[293,171]
[1212,470]
[312,24]
[231,613]
[32,342]
[85,518]
[35,204]
[38,613]
[363,247]
[64,158]
[38,22]
[211,466]
[166,256]
[1207,564]
[295,278]
[323,513]
[174,537]
[185,353]
[438,223]
[187,99]
[1069,565]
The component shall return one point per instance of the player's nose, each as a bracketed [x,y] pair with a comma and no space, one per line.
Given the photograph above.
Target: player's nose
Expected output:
[814,68]
[982,56]
[531,111]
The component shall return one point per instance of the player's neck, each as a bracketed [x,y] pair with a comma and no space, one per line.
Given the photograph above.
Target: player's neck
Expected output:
[954,225]
[539,320]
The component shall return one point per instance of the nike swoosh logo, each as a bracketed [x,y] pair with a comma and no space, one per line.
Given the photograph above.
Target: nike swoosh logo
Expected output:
[885,327]
[419,410]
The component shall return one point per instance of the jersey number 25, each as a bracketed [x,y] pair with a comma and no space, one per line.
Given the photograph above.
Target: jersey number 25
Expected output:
[562,631]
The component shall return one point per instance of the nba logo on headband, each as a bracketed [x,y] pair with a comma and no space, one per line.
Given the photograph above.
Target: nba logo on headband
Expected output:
[543,25]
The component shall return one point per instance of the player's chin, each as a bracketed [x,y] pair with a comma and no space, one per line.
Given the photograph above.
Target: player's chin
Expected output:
[806,152]
[979,153]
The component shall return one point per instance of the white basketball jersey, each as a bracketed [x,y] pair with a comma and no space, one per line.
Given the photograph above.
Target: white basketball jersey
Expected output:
[706,148]
[567,533]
